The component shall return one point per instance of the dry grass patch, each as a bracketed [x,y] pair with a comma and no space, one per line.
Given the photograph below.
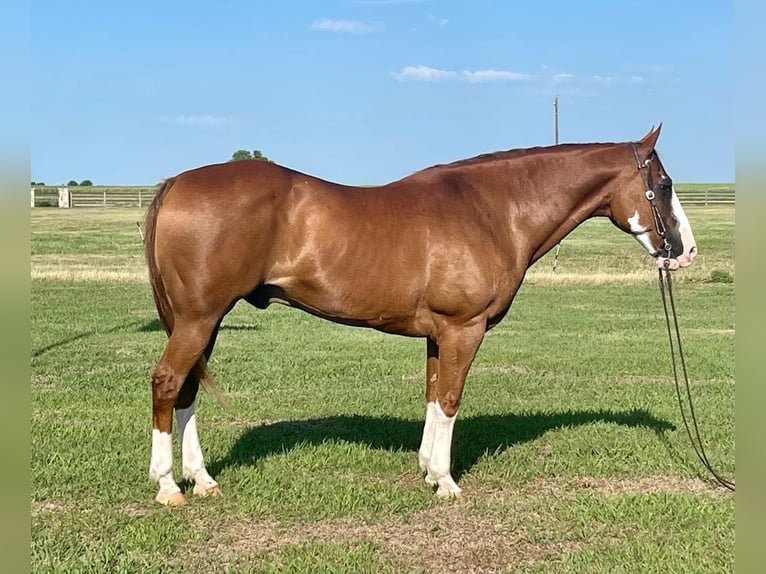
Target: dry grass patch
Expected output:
[38,507]
[540,277]
[489,530]
[454,533]
[622,486]
[88,275]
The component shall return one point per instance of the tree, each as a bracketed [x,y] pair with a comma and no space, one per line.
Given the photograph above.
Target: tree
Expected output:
[71,183]
[86,182]
[258,155]
[242,154]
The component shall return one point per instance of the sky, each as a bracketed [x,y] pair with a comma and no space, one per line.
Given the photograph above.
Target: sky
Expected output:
[368,91]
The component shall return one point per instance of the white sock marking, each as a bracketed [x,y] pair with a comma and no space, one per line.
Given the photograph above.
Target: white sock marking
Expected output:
[193,463]
[429,430]
[161,462]
[440,460]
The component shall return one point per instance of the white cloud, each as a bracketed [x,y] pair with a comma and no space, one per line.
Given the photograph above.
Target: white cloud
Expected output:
[438,21]
[492,76]
[204,120]
[423,74]
[606,80]
[613,80]
[546,79]
[344,26]
[426,74]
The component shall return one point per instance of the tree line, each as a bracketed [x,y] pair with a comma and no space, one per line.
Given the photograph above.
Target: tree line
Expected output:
[70,183]
[243,154]
[239,155]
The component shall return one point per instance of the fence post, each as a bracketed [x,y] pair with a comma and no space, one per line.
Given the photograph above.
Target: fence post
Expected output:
[139,198]
[104,198]
[33,197]
[65,197]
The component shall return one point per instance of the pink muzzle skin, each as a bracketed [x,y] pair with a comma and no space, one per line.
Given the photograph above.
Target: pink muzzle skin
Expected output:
[680,262]
[670,264]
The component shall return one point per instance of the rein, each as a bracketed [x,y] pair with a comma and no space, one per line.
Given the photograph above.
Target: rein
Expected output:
[695,438]
[665,281]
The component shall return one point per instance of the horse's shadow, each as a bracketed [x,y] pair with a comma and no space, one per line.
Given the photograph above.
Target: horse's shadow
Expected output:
[154,325]
[473,437]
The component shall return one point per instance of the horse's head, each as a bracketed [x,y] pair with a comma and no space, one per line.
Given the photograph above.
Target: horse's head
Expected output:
[647,207]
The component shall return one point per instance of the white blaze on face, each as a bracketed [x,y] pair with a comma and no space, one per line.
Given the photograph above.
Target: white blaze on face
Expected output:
[685,231]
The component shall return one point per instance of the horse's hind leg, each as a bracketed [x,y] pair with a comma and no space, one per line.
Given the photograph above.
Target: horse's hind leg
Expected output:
[193,463]
[447,370]
[184,347]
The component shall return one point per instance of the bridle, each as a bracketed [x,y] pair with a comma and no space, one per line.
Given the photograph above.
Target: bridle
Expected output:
[696,439]
[659,225]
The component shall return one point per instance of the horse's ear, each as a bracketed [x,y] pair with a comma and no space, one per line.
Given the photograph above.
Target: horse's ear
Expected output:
[647,143]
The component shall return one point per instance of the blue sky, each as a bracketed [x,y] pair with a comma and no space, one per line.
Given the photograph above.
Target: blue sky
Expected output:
[368,91]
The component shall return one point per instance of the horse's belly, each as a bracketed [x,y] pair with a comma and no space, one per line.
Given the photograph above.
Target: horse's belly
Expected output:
[379,304]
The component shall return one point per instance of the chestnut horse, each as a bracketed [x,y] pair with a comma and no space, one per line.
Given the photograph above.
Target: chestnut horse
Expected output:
[439,254]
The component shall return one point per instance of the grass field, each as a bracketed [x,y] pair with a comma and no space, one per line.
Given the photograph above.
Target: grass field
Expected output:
[569,445]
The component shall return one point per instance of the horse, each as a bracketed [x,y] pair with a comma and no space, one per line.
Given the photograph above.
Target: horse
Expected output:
[439,254]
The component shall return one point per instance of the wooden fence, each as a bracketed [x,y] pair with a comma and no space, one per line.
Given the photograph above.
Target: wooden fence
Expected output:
[141,196]
[96,196]
[688,194]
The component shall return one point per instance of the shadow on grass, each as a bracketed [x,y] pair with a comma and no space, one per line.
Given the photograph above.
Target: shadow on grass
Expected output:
[60,343]
[154,325]
[473,437]
[84,335]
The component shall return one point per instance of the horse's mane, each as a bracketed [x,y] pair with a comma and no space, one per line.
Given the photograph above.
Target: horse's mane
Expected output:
[511,154]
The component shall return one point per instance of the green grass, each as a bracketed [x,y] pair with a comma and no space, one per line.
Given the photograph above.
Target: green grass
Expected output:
[569,444]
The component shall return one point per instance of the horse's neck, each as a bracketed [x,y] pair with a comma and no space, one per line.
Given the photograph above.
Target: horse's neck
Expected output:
[552,202]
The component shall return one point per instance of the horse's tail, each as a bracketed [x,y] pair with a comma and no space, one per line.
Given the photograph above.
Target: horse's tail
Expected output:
[199,371]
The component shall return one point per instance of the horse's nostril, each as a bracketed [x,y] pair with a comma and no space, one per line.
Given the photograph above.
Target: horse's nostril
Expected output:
[693,251]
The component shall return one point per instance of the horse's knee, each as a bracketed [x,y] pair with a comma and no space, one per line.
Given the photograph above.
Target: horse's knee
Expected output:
[165,385]
[449,403]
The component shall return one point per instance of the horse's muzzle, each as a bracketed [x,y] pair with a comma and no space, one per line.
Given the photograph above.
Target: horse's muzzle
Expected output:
[683,260]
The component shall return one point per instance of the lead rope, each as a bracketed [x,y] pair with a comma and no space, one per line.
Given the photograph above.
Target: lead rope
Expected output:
[695,438]
[697,444]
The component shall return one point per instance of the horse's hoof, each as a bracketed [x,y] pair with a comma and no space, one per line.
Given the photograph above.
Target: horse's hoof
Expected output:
[201,490]
[444,492]
[172,499]
[448,489]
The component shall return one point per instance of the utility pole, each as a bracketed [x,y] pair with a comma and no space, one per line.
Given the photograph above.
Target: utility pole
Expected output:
[556,141]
